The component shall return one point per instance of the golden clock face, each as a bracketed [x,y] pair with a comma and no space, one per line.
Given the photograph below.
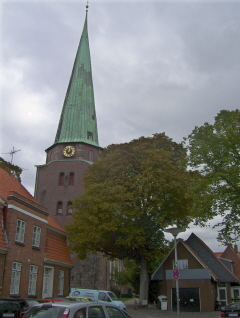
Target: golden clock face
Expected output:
[69,151]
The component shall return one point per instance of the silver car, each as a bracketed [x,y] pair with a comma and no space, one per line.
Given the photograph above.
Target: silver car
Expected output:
[76,310]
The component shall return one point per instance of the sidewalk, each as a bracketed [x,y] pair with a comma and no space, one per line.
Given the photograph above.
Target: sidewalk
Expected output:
[156,313]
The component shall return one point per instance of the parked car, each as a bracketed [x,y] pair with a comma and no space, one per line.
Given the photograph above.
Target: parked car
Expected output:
[231,310]
[9,309]
[76,298]
[52,299]
[76,310]
[15,307]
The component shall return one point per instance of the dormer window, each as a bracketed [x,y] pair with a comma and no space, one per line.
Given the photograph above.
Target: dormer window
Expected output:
[90,135]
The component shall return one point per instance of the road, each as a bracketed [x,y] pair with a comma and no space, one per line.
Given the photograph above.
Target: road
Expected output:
[156,313]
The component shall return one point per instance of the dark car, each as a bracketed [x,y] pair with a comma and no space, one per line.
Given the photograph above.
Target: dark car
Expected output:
[231,310]
[15,307]
[9,309]
[76,310]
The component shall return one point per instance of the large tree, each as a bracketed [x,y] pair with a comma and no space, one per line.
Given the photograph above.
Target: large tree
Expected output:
[214,149]
[132,194]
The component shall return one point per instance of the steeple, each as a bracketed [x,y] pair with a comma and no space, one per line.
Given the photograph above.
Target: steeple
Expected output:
[78,122]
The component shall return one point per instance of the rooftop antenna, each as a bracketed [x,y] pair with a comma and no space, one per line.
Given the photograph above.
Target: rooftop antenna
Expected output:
[12,152]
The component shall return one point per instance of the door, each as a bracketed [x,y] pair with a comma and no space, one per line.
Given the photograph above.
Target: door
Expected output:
[222,293]
[47,282]
[188,299]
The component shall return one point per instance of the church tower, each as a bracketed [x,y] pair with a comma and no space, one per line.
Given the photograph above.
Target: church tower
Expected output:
[60,179]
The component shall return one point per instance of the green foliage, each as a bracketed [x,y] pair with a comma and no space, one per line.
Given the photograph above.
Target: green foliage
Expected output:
[14,170]
[215,151]
[132,194]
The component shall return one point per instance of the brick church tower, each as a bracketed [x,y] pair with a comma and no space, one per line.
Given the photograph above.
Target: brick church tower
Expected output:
[60,179]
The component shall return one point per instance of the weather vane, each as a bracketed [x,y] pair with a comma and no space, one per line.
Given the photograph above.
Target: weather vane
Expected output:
[12,152]
[87,6]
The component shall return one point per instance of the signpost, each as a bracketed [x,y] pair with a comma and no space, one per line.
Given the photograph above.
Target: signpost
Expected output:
[175,273]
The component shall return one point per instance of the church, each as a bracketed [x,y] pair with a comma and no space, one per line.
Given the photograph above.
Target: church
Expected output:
[75,147]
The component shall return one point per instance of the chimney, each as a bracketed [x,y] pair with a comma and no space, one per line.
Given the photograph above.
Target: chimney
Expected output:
[235,248]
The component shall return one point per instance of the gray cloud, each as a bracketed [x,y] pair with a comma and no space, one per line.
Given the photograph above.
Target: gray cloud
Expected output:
[157,67]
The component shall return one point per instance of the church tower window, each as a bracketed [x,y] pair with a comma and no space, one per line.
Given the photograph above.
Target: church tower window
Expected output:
[61,178]
[90,156]
[71,178]
[69,208]
[59,207]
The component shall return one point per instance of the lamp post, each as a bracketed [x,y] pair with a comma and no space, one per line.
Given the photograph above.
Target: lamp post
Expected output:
[175,231]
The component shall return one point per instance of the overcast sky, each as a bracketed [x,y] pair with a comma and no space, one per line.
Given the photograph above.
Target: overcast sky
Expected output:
[158,66]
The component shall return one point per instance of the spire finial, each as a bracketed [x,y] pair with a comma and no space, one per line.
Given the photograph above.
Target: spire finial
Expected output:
[87,6]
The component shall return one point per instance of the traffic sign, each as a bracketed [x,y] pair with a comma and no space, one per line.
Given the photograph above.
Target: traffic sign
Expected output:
[175,273]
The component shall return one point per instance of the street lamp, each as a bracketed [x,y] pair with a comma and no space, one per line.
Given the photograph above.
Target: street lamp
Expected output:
[175,231]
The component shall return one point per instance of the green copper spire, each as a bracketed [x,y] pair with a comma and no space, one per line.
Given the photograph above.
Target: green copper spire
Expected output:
[78,122]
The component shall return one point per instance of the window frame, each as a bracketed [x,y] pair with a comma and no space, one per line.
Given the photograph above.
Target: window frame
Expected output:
[20,231]
[71,179]
[36,239]
[61,180]
[69,211]
[15,278]
[32,284]
[181,263]
[59,204]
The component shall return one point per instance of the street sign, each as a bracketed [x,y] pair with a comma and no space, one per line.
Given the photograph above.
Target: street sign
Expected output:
[175,273]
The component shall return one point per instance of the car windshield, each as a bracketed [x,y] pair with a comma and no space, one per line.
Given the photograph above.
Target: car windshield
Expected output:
[113,296]
[45,312]
[9,306]
[233,306]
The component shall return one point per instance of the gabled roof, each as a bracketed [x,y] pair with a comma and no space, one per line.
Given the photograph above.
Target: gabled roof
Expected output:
[207,255]
[191,251]
[9,183]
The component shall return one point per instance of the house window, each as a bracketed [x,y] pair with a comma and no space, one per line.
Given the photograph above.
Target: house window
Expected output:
[36,236]
[20,231]
[71,178]
[69,207]
[59,207]
[61,178]
[32,280]
[60,282]
[15,278]
[90,156]
[182,264]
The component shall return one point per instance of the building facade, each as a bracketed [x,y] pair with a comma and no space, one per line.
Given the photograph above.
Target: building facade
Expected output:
[204,278]
[28,236]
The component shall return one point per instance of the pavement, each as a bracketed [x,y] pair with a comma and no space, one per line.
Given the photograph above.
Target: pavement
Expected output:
[136,312]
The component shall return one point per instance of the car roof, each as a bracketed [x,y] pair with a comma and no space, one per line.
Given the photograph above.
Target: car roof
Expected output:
[69,304]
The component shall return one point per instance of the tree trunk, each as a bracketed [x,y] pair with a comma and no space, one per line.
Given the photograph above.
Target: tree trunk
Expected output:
[144,282]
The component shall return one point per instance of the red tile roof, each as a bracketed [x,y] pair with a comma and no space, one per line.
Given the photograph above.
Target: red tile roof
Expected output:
[54,224]
[9,183]
[56,248]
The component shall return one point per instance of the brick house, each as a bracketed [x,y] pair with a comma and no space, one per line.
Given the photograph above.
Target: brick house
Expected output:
[204,277]
[34,258]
